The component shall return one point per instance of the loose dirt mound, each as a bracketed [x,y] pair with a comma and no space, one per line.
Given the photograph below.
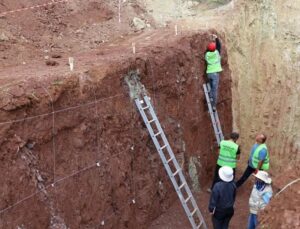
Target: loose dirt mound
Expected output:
[283,211]
[62,28]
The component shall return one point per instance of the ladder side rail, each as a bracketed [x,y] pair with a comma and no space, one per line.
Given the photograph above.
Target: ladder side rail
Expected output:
[219,126]
[194,204]
[211,113]
[219,133]
[163,136]
[221,136]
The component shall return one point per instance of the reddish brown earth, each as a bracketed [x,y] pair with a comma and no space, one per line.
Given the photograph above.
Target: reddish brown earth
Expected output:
[283,209]
[95,121]
[61,29]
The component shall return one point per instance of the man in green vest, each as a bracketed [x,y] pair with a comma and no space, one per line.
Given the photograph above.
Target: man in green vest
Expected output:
[213,62]
[259,159]
[229,153]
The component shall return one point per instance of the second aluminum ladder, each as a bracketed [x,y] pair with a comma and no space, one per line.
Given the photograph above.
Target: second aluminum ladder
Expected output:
[213,115]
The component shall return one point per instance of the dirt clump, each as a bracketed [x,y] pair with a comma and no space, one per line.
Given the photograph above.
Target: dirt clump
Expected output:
[282,212]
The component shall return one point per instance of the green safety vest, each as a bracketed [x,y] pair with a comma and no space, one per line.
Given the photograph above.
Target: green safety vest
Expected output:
[213,60]
[255,159]
[227,156]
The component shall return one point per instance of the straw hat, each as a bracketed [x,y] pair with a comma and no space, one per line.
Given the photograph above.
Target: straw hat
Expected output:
[264,176]
[226,173]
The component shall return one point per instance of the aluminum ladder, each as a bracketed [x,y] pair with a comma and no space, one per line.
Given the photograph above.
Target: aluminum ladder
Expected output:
[170,163]
[213,115]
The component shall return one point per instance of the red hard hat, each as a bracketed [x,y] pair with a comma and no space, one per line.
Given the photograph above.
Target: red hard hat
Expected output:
[211,46]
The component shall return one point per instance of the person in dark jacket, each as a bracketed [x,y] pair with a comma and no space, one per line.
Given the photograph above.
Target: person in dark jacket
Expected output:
[222,199]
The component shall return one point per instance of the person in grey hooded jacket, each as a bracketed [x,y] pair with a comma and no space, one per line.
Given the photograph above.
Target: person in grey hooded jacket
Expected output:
[260,197]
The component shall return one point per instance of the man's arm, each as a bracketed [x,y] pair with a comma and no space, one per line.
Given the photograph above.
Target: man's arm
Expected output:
[238,153]
[260,163]
[262,156]
[213,200]
[218,44]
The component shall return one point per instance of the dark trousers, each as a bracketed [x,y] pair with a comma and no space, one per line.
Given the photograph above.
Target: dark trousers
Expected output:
[249,170]
[216,176]
[221,219]
[214,84]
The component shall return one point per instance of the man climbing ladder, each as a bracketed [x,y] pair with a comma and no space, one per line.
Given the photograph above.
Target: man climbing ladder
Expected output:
[213,61]
[213,115]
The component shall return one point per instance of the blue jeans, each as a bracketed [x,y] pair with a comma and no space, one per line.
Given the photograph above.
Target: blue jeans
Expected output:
[214,84]
[252,221]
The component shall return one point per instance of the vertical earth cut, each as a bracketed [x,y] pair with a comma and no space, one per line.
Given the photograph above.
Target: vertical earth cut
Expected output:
[264,49]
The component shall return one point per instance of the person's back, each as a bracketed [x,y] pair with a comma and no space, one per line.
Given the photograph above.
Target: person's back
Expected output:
[213,61]
[227,192]
[222,199]
[228,153]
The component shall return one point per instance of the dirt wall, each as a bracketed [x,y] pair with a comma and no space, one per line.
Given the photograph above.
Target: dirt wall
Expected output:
[263,44]
[91,163]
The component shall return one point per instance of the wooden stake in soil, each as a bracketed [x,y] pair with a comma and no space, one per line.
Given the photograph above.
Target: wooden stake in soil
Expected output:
[133,47]
[71,63]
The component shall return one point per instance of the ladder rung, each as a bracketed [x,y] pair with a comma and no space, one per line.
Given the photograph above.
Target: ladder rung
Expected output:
[150,121]
[195,210]
[174,174]
[164,146]
[158,133]
[146,107]
[200,225]
[171,158]
[182,185]
[187,199]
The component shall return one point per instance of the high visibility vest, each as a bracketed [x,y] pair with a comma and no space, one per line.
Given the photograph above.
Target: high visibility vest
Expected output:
[255,159]
[213,60]
[227,156]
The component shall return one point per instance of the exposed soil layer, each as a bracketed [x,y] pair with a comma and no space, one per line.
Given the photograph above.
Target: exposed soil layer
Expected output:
[283,211]
[94,120]
[62,28]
